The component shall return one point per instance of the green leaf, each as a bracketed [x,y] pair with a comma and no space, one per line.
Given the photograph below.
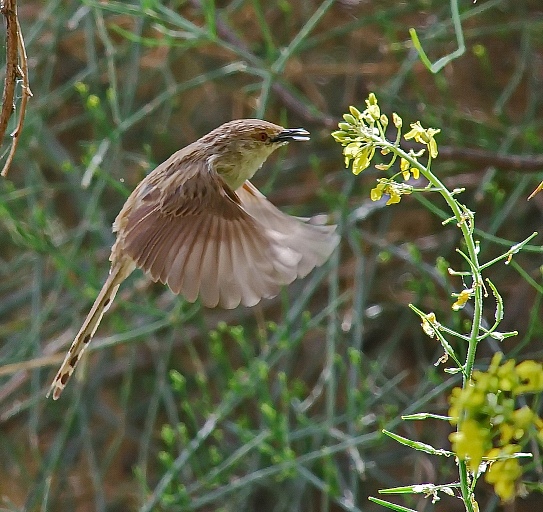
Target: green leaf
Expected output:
[425,415]
[391,506]
[417,445]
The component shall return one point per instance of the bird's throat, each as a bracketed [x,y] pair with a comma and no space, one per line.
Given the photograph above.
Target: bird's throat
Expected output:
[237,170]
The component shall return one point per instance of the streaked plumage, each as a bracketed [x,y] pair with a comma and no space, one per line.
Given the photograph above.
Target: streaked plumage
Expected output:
[198,225]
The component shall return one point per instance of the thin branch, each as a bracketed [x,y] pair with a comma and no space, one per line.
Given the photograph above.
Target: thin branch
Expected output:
[7,8]
[27,93]
[15,54]
[485,158]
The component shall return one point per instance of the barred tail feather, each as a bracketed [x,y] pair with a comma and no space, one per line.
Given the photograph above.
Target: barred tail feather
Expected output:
[119,272]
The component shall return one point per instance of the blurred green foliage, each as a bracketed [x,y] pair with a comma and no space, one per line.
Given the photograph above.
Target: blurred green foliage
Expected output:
[258,418]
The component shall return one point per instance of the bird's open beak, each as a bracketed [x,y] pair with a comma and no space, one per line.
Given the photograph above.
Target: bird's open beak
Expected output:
[292,134]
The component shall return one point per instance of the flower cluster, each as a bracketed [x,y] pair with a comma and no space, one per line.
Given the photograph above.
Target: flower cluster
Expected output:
[390,187]
[490,427]
[362,133]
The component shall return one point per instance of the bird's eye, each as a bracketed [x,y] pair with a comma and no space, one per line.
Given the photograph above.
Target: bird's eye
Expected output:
[262,136]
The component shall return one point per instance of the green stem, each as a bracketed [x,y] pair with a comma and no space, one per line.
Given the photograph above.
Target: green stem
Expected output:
[475,270]
[462,224]
[465,485]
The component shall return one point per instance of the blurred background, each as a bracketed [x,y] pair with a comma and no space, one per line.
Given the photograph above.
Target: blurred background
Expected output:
[278,407]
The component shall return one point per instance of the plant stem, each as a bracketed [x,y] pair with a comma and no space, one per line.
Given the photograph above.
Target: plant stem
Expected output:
[465,486]
[462,223]
[464,220]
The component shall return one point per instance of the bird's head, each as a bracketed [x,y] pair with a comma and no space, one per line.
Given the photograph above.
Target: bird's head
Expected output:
[243,145]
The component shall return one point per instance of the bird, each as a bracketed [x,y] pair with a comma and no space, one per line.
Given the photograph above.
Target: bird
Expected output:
[197,224]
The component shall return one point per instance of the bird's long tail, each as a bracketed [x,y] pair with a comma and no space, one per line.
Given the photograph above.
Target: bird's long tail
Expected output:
[118,273]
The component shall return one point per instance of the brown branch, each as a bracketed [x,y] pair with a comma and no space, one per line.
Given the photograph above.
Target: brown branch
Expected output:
[485,158]
[7,8]
[23,71]
[15,53]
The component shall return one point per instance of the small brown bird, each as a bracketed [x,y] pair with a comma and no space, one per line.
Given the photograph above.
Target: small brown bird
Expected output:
[198,225]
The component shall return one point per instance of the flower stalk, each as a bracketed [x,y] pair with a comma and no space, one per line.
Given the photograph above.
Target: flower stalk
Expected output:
[478,446]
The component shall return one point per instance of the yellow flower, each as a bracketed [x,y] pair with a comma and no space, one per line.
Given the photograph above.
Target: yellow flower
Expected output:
[507,377]
[372,108]
[432,144]
[350,151]
[395,196]
[355,112]
[503,474]
[485,382]
[391,188]
[507,432]
[377,192]
[470,443]
[404,167]
[462,299]
[424,136]
[476,399]
[495,362]
[523,418]
[363,159]
[530,374]
[417,132]
[428,326]
[489,424]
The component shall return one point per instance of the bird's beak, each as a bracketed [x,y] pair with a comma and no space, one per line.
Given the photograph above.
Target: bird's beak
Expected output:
[292,134]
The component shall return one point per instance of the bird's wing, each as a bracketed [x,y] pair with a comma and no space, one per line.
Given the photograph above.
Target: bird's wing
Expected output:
[308,237]
[196,237]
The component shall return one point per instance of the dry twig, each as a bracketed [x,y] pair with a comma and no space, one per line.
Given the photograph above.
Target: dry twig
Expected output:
[16,68]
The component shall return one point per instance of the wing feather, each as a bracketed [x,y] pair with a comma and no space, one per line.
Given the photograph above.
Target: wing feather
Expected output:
[163,264]
[177,274]
[204,240]
[209,275]
[315,242]
[229,288]
[254,276]
[193,267]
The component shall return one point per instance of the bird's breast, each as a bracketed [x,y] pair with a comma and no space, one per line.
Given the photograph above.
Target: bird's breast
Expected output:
[240,167]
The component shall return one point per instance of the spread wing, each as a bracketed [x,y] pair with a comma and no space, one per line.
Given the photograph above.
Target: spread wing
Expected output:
[313,241]
[197,237]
